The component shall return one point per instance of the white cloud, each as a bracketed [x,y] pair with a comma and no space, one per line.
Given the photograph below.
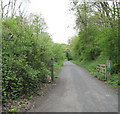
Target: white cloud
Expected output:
[57,17]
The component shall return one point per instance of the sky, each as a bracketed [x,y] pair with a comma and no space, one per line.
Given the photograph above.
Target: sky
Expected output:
[60,20]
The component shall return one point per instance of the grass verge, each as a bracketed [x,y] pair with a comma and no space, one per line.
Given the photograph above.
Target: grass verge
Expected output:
[57,67]
[91,67]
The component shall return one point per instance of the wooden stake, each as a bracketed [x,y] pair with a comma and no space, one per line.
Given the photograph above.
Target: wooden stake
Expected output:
[52,71]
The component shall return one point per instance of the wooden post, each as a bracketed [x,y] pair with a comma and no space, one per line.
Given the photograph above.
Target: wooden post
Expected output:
[108,69]
[52,70]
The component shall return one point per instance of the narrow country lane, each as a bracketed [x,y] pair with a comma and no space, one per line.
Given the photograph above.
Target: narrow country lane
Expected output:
[77,91]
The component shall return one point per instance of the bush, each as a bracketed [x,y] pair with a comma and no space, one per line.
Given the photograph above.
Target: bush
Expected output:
[25,58]
[114,81]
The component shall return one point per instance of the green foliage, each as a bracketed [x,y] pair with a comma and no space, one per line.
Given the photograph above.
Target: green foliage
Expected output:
[13,111]
[98,36]
[27,51]
[22,102]
[114,81]
[57,67]
[58,49]
[68,56]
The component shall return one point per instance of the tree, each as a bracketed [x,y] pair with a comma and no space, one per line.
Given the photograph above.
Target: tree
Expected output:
[12,8]
[37,22]
[97,25]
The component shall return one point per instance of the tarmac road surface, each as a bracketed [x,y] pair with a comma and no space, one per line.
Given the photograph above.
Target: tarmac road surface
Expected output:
[77,91]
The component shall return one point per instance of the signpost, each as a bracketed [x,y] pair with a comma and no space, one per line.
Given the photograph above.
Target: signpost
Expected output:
[108,69]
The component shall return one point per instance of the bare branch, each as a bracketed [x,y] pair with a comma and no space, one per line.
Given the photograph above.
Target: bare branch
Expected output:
[6,15]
